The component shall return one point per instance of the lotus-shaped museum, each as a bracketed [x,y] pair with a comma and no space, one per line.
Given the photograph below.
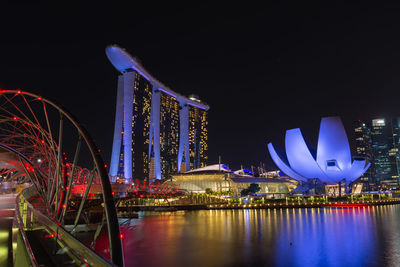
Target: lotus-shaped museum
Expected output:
[331,162]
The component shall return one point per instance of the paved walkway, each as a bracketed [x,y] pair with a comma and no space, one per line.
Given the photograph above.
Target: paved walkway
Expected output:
[7,209]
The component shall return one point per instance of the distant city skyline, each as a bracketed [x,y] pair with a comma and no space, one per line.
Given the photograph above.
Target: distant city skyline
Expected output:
[378,139]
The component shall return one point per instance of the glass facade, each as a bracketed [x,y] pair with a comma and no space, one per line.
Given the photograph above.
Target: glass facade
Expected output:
[152,122]
[394,153]
[363,144]
[382,172]
[203,139]
[380,141]
[169,134]
[143,164]
[198,137]
[140,129]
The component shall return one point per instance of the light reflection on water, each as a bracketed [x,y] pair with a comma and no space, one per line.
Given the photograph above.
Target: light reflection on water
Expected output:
[319,237]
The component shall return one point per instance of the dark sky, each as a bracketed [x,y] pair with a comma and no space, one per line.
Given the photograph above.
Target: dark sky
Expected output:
[261,69]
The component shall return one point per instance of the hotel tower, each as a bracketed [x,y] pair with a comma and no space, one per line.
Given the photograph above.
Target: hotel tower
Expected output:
[157,131]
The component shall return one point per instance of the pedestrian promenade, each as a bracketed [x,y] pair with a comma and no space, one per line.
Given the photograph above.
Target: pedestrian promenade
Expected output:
[7,209]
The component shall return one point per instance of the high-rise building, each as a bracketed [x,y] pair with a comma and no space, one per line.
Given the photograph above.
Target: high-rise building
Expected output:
[381,143]
[382,171]
[157,131]
[363,145]
[394,151]
[133,117]
[198,137]
[169,134]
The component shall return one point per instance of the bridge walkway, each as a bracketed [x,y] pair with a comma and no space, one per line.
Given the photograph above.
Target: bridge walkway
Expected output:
[7,209]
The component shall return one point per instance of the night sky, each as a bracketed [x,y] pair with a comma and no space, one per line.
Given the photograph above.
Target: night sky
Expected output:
[262,70]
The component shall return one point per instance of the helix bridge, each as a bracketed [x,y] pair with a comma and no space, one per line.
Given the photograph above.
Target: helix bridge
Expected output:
[44,146]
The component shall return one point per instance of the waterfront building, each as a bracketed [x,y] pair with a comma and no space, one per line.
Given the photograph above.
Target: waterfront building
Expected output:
[363,144]
[331,162]
[157,131]
[271,174]
[394,152]
[198,136]
[333,190]
[381,166]
[219,178]
[169,134]
[379,141]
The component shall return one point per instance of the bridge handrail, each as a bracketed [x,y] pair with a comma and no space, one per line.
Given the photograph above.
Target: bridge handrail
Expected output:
[19,223]
[51,192]
[75,247]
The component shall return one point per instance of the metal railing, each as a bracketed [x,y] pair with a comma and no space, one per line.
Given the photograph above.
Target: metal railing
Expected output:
[29,218]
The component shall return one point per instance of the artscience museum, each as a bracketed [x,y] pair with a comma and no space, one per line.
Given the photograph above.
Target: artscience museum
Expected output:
[331,162]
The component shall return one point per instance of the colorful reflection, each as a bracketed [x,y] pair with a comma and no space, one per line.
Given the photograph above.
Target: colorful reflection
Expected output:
[282,237]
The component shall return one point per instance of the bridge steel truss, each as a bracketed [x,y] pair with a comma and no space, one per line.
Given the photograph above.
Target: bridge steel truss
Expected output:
[46,134]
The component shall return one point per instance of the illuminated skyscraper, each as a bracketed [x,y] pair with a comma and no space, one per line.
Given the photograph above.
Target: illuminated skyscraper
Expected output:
[133,107]
[198,137]
[169,134]
[156,129]
[364,148]
[381,143]
[382,172]
[394,152]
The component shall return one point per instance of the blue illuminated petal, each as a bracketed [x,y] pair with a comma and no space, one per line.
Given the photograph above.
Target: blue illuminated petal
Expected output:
[332,162]
[279,157]
[300,157]
[333,145]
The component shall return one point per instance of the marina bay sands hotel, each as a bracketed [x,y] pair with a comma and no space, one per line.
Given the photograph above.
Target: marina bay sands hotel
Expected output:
[157,131]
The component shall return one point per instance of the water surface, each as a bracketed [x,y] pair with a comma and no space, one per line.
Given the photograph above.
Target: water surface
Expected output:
[282,237]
